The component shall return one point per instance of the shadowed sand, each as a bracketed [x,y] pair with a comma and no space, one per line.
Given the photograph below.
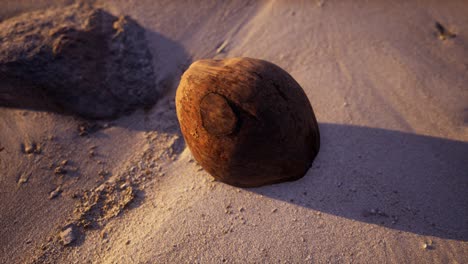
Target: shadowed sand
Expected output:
[402,181]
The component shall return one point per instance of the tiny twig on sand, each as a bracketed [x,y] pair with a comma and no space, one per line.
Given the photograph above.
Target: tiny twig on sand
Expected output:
[443,33]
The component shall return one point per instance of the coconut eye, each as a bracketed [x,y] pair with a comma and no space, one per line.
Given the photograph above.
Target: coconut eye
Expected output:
[217,116]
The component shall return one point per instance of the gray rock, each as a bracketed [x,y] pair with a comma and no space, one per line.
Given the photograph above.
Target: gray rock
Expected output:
[81,59]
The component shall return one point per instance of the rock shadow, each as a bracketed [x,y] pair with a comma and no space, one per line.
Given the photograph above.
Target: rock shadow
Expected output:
[103,68]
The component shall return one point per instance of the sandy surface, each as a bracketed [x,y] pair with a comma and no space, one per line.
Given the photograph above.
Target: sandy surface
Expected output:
[392,174]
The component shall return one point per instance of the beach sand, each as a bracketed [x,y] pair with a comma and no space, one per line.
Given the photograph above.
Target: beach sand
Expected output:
[388,186]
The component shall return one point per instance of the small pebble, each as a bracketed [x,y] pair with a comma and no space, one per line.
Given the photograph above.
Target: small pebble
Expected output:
[103,173]
[103,234]
[67,236]
[24,178]
[60,170]
[428,245]
[28,149]
[32,148]
[55,192]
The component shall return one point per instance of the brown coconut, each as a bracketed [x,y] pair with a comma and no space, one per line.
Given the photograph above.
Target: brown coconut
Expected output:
[247,121]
